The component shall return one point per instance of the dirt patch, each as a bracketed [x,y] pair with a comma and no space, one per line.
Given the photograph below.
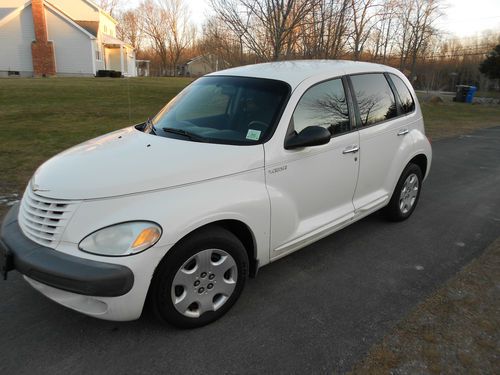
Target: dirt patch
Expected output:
[455,331]
[436,100]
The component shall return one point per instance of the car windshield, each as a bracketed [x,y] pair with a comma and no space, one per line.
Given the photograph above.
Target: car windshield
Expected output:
[221,109]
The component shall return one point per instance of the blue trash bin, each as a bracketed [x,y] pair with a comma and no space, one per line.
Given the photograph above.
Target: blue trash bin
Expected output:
[470,94]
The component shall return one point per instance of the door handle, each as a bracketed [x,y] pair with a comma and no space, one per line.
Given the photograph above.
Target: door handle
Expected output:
[351,149]
[403,132]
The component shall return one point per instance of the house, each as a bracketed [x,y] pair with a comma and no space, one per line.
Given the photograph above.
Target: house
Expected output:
[60,37]
[201,65]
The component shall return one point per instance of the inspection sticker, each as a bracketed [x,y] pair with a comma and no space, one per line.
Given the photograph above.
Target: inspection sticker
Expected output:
[253,134]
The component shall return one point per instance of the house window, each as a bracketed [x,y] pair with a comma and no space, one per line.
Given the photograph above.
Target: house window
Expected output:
[98,55]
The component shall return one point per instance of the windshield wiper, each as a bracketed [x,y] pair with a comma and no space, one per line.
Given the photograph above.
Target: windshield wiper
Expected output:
[189,135]
[149,126]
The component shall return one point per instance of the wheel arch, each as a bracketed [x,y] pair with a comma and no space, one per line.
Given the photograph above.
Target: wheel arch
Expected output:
[421,161]
[241,230]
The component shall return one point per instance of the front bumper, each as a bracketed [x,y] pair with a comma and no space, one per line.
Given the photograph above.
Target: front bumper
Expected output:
[58,270]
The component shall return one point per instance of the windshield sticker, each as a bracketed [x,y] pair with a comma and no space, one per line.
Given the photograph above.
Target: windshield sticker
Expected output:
[253,134]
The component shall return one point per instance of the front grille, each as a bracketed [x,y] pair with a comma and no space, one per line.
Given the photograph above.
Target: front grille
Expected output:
[43,220]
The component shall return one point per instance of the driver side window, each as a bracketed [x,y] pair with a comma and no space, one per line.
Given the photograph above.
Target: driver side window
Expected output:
[324,104]
[211,99]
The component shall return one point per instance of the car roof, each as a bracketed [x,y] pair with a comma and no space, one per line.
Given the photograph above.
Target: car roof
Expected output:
[296,71]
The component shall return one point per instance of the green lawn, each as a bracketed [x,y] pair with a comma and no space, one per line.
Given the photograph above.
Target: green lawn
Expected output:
[488,94]
[451,119]
[41,117]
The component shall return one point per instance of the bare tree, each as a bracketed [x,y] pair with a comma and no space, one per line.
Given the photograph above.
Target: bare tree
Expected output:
[155,26]
[129,28]
[110,6]
[268,28]
[166,24]
[218,40]
[426,12]
[384,31]
[364,15]
[181,33]
[324,34]
[416,24]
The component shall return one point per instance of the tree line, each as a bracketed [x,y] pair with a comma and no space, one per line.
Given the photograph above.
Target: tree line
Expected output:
[400,33]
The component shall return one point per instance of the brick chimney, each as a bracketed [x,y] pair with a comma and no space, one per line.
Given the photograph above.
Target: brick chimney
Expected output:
[42,51]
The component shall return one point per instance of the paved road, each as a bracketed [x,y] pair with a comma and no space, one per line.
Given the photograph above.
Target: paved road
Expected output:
[316,311]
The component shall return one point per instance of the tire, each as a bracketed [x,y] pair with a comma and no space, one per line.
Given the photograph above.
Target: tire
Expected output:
[199,279]
[406,194]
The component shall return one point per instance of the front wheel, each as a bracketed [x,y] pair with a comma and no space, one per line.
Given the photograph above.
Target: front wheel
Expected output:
[406,194]
[200,279]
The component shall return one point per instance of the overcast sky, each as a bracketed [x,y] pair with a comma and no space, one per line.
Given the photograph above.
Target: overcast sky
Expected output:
[462,17]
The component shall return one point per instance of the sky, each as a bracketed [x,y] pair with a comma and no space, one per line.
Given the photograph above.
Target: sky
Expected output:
[461,17]
[470,17]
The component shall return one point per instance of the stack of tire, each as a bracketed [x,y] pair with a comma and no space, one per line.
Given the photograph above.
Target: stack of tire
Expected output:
[109,73]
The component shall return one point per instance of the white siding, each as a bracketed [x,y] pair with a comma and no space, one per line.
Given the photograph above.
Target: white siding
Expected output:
[199,67]
[106,26]
[15,43]
[77,9]
[12,3]
[99,64]
[73,48]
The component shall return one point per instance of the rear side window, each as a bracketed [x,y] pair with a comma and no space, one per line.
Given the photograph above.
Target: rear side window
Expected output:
[374,97]
[324,105]
[407,102]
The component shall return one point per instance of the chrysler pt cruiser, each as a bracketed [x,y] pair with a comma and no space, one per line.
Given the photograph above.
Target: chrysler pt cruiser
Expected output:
[241,168]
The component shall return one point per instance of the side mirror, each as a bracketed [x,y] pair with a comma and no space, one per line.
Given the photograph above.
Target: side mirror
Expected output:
[310,136]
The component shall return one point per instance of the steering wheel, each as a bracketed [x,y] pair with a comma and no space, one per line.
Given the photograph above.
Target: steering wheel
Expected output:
[185,123]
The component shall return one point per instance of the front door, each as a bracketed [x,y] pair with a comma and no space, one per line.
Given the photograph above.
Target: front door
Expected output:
[311,188]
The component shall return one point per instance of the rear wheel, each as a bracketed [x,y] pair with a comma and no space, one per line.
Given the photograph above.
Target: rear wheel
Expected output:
[200,279]
[406,194]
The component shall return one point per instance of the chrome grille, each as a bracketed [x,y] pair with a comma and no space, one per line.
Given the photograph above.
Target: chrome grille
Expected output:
[43,220]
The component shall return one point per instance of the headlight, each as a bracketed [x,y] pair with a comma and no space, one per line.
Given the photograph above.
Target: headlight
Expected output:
[122,239]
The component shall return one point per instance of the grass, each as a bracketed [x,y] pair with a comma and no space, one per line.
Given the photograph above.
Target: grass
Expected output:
[488,94]
[450,119]
[41,117]
[455,331]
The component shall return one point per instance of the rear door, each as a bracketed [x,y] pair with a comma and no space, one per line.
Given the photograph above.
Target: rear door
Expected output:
[382,130]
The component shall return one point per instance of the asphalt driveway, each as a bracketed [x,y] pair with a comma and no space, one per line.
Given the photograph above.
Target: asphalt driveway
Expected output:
[316,311]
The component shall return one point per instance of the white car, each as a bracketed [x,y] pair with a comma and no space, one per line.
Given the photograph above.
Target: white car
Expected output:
[242,168]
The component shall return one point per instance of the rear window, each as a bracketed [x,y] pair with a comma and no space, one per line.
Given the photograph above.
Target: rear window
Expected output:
[407,102]
[375,99]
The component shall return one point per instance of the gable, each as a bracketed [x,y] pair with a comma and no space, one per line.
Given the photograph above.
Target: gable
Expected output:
[9,13]
[16,35]
[66,18]
[91,26]
[77,9]
[5,11]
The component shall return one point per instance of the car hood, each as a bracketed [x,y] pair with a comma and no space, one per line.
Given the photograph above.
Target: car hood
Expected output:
[129,161]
